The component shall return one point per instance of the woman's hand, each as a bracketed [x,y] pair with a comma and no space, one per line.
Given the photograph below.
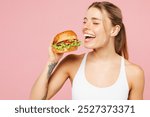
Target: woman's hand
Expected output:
[54,57]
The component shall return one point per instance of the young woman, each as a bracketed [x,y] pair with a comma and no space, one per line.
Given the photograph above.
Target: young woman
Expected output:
[105,72]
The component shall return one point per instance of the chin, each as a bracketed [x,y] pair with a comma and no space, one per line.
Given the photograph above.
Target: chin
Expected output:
[89,46]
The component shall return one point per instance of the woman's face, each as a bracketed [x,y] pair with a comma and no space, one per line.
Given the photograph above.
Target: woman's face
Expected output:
[96,28]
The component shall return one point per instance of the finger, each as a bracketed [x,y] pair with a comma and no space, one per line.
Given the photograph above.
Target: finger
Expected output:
[50,51]
[51,41]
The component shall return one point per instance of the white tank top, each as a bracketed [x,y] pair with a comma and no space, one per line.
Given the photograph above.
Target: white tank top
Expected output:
[83,90]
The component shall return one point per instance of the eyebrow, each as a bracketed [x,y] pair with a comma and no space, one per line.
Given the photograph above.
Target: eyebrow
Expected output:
[93,18]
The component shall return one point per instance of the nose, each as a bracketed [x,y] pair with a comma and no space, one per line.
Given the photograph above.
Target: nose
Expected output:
[86,26]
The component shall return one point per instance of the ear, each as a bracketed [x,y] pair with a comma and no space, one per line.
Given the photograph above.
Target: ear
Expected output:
[115,30]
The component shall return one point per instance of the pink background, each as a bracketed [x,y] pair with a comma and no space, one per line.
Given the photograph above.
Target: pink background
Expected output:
[27,26]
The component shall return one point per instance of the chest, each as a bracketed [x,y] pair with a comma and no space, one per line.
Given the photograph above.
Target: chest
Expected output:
[102,75]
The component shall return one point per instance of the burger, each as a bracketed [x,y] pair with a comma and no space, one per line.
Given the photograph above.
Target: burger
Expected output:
[65,42]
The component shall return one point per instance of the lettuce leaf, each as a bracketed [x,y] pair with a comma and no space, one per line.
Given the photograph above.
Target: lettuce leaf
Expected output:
[62,45]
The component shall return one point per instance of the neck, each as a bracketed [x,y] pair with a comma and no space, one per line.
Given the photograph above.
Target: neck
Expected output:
[104,53]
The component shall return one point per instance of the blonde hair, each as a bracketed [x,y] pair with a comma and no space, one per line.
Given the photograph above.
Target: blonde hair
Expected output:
[115,15]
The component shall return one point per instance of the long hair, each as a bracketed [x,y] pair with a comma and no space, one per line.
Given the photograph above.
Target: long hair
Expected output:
[115,15]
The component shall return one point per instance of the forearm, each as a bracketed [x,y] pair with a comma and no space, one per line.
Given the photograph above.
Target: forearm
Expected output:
[39,89]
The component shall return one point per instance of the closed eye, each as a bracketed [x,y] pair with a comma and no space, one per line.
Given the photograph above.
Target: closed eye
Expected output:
[95,23]
[84,22]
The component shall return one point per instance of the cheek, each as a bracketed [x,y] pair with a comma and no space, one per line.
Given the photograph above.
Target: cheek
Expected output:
[101,36]
[99,29]
[100,33]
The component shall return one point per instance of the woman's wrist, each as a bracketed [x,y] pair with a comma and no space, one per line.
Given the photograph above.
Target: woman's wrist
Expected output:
[53,60]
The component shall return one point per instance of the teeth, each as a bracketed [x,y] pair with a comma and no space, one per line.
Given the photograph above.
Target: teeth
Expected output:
[89,36]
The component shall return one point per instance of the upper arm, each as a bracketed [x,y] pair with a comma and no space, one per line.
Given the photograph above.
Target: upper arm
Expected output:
[58,77]
[137,84]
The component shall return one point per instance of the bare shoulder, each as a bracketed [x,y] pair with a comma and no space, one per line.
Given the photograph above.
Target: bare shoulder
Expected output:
[71,64]
[135,73]
[133,69]
[71,61]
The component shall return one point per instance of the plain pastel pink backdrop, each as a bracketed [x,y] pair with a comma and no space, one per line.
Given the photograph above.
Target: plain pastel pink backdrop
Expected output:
[27,26]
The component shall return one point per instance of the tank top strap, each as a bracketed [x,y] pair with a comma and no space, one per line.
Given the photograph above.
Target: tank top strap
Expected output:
[84,59]
[122,69]
[82,65]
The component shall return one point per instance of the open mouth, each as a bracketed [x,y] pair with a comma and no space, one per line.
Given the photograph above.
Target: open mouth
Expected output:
[89,37]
